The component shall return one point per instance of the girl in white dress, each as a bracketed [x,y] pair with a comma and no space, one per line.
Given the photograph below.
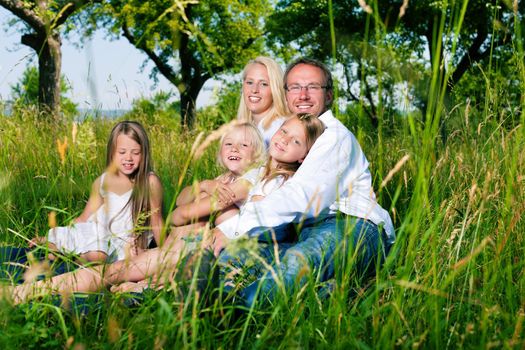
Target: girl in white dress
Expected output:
[125,205]
[262,97]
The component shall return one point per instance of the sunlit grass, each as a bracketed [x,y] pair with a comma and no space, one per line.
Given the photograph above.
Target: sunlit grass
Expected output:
[454,278]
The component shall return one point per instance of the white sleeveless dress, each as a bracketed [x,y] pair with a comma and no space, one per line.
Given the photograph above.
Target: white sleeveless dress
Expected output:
[97,234]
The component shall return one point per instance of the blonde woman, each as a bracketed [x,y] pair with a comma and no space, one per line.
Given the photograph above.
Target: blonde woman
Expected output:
[262,97]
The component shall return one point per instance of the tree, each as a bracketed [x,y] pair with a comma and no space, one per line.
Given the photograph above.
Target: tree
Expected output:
[42,20]
[188,41]
[423,31]
[25,92]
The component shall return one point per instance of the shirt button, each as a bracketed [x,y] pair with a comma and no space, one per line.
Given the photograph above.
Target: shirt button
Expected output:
[236,233]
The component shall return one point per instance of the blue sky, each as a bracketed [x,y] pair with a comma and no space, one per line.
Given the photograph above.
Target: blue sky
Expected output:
[104,74]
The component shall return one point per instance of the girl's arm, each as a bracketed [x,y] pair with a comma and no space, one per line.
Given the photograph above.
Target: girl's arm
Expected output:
[192,192]
[156,194]
[205,188]
[94,202]
[205,206]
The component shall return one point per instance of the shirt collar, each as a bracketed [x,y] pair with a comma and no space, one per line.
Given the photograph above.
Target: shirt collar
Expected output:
[326,117]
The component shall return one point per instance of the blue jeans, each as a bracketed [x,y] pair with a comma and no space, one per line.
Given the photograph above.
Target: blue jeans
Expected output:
[340,240]
[14,262]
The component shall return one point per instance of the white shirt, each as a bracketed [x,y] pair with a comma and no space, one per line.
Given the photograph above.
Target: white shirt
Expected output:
[333,177]
[264,187]
[272,129]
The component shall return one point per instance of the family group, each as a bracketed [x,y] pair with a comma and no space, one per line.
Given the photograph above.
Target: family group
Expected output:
[295,180]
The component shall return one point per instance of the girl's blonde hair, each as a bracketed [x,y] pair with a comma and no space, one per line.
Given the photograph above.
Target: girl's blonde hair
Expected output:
[254,135]
[278,107]
[313,128]
[140,197]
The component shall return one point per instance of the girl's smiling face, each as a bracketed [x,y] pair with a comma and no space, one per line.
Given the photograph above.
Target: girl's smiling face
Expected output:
[127,156]
[288,144]
[237,151]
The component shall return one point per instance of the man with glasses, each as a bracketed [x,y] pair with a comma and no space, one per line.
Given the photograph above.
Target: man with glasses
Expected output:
[330,197]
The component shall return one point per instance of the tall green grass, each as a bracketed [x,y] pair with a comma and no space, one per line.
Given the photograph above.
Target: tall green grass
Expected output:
[455,277]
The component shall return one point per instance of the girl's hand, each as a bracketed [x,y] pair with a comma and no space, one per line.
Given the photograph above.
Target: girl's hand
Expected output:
[220,190]
[36,241]
[225,195]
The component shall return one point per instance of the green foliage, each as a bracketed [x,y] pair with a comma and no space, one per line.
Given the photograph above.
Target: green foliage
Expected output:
[458,259]
[188,41]
[225,110]
[390,52]
[25,92]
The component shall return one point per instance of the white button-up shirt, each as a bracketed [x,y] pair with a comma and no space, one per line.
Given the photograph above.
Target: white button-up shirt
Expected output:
[333,177]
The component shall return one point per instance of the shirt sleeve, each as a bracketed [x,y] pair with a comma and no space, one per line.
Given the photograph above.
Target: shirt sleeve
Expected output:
[252,175]
[312,189]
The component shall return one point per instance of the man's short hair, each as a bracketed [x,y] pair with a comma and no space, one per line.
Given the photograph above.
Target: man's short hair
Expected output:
[329,83]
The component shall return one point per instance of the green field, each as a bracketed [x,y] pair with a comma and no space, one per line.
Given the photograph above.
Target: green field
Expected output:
[450,169]
[455,277]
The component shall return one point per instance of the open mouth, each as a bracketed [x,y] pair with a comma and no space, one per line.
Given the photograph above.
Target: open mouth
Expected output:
[254,99]
[234,158]
[304,107]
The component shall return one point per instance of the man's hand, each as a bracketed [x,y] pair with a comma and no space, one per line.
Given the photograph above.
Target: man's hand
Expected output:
[219,241]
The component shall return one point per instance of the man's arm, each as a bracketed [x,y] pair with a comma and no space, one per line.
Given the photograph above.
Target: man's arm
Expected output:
[312,189]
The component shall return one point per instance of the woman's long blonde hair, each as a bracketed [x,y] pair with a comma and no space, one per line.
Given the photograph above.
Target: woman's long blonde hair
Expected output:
[140,200]
[278,107]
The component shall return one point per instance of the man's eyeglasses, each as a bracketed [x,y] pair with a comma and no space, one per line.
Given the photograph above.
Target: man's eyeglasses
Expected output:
[312,88]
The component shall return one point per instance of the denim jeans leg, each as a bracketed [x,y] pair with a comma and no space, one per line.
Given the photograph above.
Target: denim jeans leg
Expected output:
[318,249]
[312,253]
[234,267]
[368,246]
[12,263]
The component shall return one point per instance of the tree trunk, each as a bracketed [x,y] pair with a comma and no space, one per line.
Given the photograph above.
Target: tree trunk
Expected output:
[187,109]
[49,66]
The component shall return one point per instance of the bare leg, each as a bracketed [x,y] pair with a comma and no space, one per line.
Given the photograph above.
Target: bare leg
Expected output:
[95,256]
[158,262]
[175,243]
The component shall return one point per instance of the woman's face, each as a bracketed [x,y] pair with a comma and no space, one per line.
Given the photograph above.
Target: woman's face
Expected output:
[256,91]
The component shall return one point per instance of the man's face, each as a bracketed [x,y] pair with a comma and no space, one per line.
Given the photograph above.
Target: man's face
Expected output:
[307,100]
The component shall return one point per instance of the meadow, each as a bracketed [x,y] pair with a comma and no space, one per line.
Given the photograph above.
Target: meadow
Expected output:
[454,278]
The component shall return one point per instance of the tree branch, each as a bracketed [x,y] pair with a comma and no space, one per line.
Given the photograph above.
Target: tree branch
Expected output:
[33,40]
[472,55]
[367,110]
[162,66]
[22,12]
[69,9]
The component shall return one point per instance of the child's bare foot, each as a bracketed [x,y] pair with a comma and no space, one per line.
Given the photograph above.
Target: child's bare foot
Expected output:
[130,287]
